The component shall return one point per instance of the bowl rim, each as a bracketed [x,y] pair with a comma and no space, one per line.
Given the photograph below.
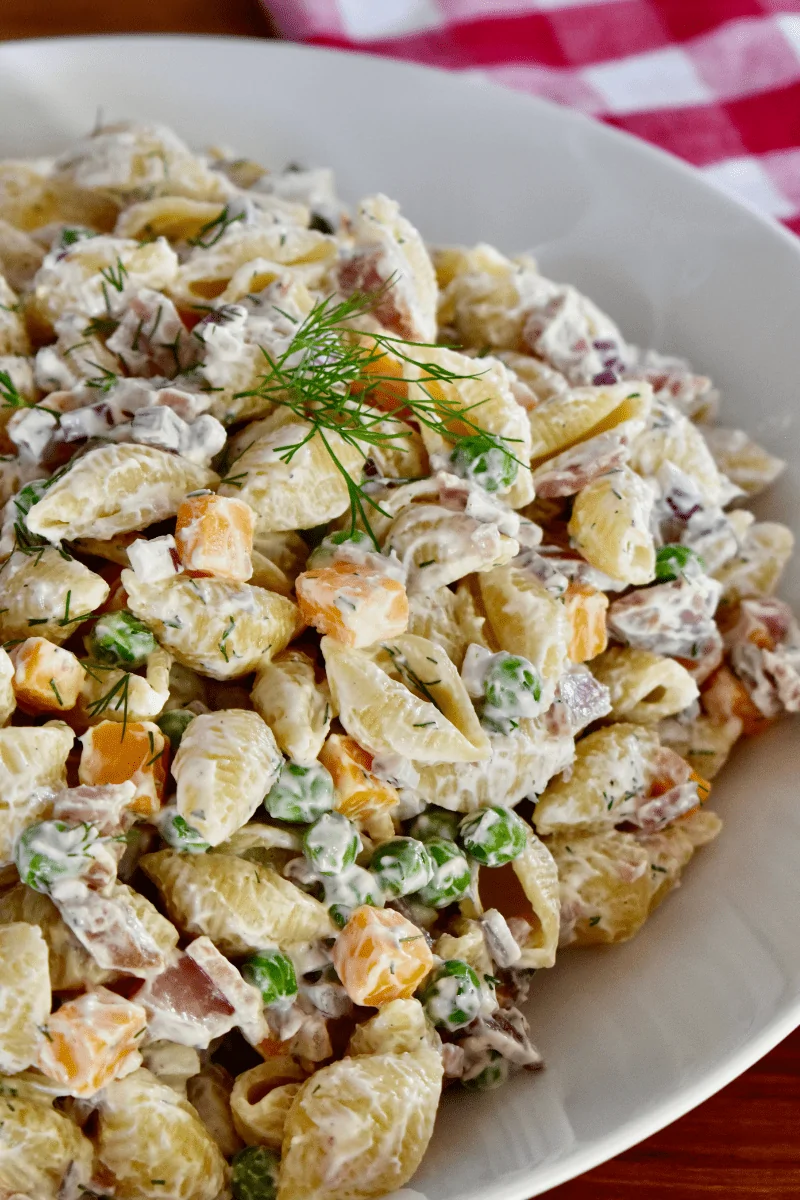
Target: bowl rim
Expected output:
[673,1107]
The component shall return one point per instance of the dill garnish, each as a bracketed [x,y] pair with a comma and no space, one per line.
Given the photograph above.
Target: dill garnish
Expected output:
[410,677]
[335,380]
[118,691]
[215,228]
[9,393]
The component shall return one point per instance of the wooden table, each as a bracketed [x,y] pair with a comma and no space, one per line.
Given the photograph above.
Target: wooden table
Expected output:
[742,1144]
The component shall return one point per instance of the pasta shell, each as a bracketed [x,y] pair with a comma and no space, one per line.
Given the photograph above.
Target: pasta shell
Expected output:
[296,708]
[438,546]
[483,396]
[526,619]
[304,492]
[35,589]
[585,412]
[115,489]
[32,759]
[24,995]
[527,888]
[746,464]
[386,1102]
[379,700]
[215,626]
[644,687]
[756,570]
[610,526]
[240,905]
[226,763]
[521,764]
[611,765]
[71,966]
[671,437]
[261,1099]
[41,1148]
[450,619]
[154,1144]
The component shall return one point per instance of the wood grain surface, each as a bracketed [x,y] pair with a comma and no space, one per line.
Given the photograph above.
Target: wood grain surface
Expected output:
[744,1143]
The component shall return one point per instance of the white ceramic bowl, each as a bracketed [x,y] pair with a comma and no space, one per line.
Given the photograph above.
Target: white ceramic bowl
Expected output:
[635,1035]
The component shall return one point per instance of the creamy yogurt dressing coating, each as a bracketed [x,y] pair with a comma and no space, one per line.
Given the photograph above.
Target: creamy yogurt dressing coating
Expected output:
[252,419]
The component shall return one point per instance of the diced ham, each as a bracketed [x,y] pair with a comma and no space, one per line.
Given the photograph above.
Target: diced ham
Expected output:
[184,1005]
[764,647]
[245,999]
[674,618]
[110,930]
[105,806]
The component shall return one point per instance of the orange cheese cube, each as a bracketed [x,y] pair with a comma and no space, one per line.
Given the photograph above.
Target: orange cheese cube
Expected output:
[354,604]
[214,536]
[47,678]
[380,956]
[359,793]
[586,613]
[92,1040]
[115,752]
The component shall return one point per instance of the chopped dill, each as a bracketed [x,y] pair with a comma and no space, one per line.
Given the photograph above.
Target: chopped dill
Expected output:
[336,381]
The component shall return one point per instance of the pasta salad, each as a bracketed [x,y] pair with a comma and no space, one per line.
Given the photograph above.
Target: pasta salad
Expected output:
[374,617]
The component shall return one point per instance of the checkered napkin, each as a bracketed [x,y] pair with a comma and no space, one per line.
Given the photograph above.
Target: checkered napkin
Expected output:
[716,82]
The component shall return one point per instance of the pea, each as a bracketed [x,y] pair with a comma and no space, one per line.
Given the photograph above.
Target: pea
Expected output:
[273,974]
[178,833]
[325,553]
[53,850]
[254,1174]
[122,639]
[452,996]
[401,865]
[331,844]
[451,879]
[173,725]
[300,794]
[672,560]
[493,1075]
[493,835]
[512,689]
[350,890]
[483,459]
[435,823]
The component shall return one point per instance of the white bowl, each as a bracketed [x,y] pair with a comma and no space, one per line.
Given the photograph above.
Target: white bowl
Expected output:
[635,1035]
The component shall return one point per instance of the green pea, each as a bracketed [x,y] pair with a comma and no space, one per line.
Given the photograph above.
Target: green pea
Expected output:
[300,794]
[493,1075]
[493,835]
[325,553]
[122,639]
[254,1174]
[483,458]
[331,844]
[173,725]
[435,823]
[512,688]
[451,878]
[273,974]
[351,889]
[401,866]
[53,850]
[178,833]
[672,560]
[452,996]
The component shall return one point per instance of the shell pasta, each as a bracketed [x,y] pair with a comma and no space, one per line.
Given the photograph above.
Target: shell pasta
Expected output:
[373,617]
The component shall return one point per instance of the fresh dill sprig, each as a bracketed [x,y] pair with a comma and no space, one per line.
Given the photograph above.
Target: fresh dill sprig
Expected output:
[337,382]
[101,326]
[9,393]
[115,278]
[410,676]
[118,691]
[103,382]
[215,228]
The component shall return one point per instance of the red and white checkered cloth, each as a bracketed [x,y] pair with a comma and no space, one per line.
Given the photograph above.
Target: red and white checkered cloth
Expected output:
[716,82]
